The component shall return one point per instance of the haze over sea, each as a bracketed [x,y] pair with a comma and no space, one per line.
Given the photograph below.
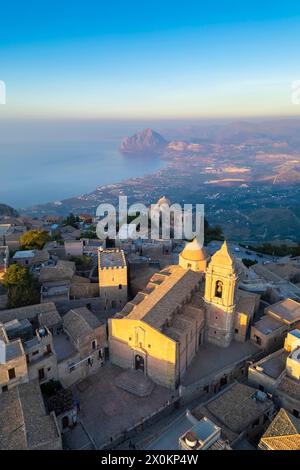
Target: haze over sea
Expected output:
[46,161]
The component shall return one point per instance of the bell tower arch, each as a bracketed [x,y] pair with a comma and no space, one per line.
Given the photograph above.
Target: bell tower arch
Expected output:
[221,282]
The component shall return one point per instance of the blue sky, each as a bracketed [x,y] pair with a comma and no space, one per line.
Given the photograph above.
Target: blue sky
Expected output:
[130,59]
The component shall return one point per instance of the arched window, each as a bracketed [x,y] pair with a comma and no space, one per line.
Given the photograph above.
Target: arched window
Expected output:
[219,289]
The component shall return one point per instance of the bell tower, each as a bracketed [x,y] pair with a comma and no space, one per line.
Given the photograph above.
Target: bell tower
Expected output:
[220,295]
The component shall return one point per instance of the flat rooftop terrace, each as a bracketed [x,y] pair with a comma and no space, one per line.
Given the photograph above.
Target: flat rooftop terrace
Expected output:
[288,310]
[211,359]
[169,437]
[63,347]
[267,324]
[274,364]
[112,258]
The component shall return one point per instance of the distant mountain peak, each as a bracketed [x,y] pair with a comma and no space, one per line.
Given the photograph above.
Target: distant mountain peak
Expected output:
[7,211]
[147,142]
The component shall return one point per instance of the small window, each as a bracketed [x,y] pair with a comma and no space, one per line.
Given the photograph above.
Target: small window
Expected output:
[94,344]
[257,340]
[255,423]
[261,388]
[236,331]
[296,413]
[41,374]
[11,374]
[35,353]
[120,286]
[4,388]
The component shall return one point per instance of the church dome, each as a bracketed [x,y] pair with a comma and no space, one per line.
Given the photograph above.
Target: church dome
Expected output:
[163,200]
[194,252]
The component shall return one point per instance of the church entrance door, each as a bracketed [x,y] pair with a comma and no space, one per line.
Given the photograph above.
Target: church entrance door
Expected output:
[139,362]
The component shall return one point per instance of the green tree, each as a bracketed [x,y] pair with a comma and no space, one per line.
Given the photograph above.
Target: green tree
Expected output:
[212,232]
[22,287]
[71,220]
[34,239]
[82,262]
[248,262]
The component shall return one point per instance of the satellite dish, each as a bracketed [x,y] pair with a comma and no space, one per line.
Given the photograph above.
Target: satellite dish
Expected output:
[2,352]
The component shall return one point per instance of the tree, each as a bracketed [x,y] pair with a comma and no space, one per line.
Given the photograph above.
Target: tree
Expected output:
[212,232]
[34,239]
[22,287]
[248,262]
[71,220]
[82,262]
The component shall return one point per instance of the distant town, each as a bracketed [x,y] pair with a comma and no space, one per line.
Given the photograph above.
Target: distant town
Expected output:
[246,174]
[150,344]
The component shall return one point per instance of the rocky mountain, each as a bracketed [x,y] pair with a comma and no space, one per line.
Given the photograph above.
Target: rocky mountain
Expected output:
[147,142]
[7,211]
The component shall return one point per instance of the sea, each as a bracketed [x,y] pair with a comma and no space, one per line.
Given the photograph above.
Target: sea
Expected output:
[40,172]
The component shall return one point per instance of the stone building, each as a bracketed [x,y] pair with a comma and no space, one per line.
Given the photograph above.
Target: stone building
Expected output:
[159,331]
[29,357]
[282,434]
[44,314]
[112,270]
[13,366]
[81,348]
[240,411]
[270,331]
[279,374]
[24,423]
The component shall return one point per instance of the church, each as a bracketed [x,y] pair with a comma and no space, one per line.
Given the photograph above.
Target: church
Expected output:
[182,306]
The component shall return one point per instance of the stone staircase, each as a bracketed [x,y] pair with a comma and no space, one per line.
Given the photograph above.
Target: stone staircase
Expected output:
[135,382]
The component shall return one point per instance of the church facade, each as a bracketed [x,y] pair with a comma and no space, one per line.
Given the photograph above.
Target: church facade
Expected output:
[182,306]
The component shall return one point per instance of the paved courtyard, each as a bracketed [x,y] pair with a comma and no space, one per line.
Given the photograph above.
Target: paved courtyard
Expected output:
[210,359]
[107,410]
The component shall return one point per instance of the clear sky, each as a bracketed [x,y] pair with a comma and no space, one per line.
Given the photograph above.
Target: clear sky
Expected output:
[156,59]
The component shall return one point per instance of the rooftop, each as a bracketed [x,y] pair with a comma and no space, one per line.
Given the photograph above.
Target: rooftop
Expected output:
[201,432]
[13,349]
[246,302]
[287,310]
[46,313]
[233,409]
[283,433]
[290,387]
[193,251]
[166,291]
[64,270]
[24,254]
[63,347]
[80,322]
[272,365]
[24,423]
[30,311]
[267,325]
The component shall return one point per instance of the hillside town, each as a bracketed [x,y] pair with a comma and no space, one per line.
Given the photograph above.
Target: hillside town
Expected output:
[144,344]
